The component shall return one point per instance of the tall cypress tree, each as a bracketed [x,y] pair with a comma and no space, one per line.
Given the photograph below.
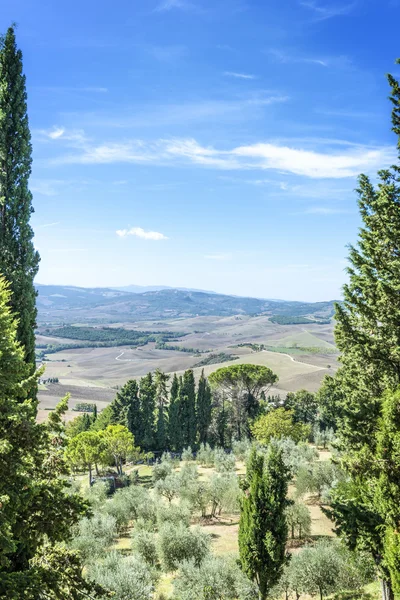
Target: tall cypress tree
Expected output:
[368,335]
[160,381]
[203,408]
[262,528]
[147,411]
[125,410]
[173,415]
[19,261]
[187,409]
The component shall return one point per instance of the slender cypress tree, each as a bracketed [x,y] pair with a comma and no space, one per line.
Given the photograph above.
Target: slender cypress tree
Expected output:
[173,415]
[147,411]
[160,381]
[368,335]
[187,409]
[203,408]
[19,261]
[263,528]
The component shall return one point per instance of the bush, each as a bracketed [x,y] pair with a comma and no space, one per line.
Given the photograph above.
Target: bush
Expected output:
[130,503]
[173,513]
[296,456]
[217,577]
[168,487]
[223,493]
[323,438]
[177,543]
[93,536]
[187,455]
[205,456]
[161,470]
[129,578]
[188,474]
[223,461]
[241,449]
[144,543]
[299,520]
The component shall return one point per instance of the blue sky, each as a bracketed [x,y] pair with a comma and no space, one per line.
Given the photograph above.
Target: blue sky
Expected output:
[212,144]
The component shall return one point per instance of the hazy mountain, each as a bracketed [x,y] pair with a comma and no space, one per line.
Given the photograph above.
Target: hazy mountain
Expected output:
[141,289]
[71,304]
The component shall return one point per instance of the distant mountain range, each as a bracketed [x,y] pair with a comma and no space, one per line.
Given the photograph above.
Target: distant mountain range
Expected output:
[57,303]
[142,289]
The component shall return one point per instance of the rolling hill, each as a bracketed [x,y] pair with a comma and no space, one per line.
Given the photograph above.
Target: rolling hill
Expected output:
[73,304]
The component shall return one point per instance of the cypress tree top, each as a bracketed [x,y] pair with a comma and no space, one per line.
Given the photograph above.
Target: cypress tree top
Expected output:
[18,258]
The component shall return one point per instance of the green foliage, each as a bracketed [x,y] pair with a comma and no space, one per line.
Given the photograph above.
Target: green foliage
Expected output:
[224,462]
[144,544]
[263,527]
[296,456]
[299,520]
[215,359]
[85,407]
[161,470]
[109,336]
[77,425]
[187,410]
[318,477]
[203,408]
[279,424]
[19,261]
[169,487]
[174,432]
[147,408]
[304,406]
[217,577]
[178,543]
[160,382]
[289,320]
[243,385]
[128,577]
[205,455]
[37,513]
[173,513]
[93,536]
[85,450]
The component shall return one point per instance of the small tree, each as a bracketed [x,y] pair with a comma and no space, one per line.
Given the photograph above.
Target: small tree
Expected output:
[279,424]
[119,442]
[84,451]
[299,520]
[263,527]
[178,543]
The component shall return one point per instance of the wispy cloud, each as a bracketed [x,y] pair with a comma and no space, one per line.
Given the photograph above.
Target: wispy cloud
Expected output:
[141,233]
[48,225]
[325,210]
[323,160]
[168,5]
[288,58]
[219,256]
[322,10]
[239,75]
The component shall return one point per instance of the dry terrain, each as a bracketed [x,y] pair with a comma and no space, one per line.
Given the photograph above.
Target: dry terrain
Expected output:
[300,355]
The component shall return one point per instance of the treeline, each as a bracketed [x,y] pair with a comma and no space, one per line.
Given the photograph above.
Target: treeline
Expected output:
[215,359]
[164,346]
[116,336]
[293,320]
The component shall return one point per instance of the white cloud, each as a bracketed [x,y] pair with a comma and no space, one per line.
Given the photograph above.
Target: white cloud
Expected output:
[285,58]
[315,159]
[56,133]
[50,224]
[239,75]
[141,233]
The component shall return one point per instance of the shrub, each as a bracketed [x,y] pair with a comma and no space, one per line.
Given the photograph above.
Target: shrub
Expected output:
[205,456]
[295,455]
[144,543]
[94,535]
[241,449]
[187,455]
[223,461]
[178,543]
[168,487]
[299,520]
[217,577]
[223,493]
[161,470]
[173,513]
[129,578]
[188,474]
[130,503]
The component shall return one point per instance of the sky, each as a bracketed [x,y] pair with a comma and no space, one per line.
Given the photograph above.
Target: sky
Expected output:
[211,144]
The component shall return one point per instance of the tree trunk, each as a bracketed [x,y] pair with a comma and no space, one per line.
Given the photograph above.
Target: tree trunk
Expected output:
[292,531]
[320,594]
[90,475]
[97,470]
[387,591]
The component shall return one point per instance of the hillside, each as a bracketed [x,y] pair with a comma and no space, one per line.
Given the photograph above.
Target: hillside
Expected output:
[73,304]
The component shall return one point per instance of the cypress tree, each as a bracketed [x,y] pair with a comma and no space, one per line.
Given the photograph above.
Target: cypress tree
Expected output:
[187,409]
[203,408]
[173,415]
[19,261]
[147,411]
[160,381]
[368,335]
[37,513]
[263,528]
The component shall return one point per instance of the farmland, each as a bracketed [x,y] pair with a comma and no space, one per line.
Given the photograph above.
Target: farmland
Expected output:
[301,354]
